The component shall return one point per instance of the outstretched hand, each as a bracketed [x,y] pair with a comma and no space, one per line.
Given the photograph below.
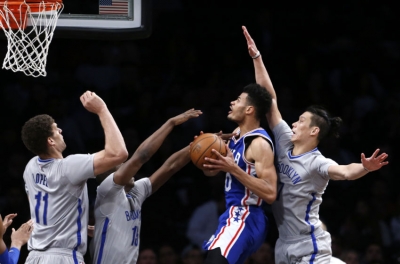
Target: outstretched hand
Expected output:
[21,236]
[225,137]
[7,221]
[374,162]
[251,45]
[179,119]
[222,163]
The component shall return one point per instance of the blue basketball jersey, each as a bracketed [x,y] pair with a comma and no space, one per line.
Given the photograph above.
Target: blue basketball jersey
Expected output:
[243,226]
[236,194]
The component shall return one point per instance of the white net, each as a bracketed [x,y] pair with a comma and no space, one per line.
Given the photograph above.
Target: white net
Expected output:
[29,28]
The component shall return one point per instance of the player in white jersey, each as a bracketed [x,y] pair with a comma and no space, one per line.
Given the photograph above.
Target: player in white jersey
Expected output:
[119,199]
[250,179]
[56,186]
[304,174]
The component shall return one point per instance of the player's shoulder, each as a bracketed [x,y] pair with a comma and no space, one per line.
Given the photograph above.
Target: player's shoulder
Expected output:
[32,161]
[77,156]
[318,159]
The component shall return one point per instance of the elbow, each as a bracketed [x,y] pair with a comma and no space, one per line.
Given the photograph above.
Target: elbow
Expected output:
[143,155]
[117,158]
[122,156]
[270,198]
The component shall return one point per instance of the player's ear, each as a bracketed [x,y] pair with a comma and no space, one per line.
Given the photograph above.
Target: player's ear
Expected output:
[50,141]
[314,131]
[250,109]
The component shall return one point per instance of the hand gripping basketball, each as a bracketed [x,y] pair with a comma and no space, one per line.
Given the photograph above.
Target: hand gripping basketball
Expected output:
[202,147]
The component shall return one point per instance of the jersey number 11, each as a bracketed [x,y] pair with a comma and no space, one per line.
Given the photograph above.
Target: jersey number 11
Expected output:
[38,198]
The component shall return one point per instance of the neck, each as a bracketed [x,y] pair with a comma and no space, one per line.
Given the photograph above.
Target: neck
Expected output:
[248,126]
[56,155]
[299,148]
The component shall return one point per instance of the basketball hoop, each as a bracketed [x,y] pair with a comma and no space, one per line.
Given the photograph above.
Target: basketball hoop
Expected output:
[29,26]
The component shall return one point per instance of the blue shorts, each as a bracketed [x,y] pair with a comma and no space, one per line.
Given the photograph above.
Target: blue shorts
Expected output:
[241,231]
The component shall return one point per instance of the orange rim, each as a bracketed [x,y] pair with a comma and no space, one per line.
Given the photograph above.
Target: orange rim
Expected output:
[38,7]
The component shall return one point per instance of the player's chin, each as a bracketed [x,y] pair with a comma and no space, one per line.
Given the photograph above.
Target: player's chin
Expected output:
[230,117]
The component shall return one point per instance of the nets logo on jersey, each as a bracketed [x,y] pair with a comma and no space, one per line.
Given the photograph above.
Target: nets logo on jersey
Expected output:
[290,172]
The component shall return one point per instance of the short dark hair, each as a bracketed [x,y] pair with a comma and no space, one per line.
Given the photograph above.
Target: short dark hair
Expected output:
[35,133]
[260,98]
[328,126]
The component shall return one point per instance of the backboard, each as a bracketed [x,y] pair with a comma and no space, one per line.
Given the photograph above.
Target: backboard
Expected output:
[104,19]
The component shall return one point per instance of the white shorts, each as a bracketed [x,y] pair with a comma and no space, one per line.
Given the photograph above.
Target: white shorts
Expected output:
[54,255]
[315,249]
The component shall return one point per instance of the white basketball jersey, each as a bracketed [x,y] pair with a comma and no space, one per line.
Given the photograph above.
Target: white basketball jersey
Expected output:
[58,202]
[302,181]
[118,218]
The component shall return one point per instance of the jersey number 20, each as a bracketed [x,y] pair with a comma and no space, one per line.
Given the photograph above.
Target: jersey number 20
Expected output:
[38,198]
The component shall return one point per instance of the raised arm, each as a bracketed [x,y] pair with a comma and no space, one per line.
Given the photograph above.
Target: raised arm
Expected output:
[147,149]
[173,164]
[355,171]
[114,152]
[260,151]
[262,78]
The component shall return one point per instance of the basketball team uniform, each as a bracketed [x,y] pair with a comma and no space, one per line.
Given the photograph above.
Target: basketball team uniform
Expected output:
[118,221]
[243,226]
[10,257]
[302,181]
[58,201]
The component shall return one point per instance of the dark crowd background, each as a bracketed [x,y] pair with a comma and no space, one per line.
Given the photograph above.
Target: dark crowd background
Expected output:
[344,55]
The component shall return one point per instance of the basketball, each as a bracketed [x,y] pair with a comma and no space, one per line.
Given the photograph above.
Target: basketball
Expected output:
[202,146]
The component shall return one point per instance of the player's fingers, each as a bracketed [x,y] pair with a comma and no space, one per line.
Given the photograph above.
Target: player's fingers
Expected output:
[216,153]
[375,153]
[10,216]
[383,156]
[209,167]
[362,157]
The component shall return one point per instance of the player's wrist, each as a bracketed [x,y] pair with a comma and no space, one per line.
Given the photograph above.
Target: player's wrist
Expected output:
[367,170]
[257,55]
[17,244]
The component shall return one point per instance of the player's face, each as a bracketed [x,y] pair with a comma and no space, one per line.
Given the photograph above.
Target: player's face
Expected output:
[301,128]
[58,138]
[238,108]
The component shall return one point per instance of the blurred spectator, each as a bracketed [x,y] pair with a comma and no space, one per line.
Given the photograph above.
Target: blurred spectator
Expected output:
[204,220]
[373,254]
[350,257]
[147,256]
[167,255]
[264,255]
[192,254]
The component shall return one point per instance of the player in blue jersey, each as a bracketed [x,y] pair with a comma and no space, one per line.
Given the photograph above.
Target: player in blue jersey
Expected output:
[18,239]
[304,174]
[250,180]
[56,186]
